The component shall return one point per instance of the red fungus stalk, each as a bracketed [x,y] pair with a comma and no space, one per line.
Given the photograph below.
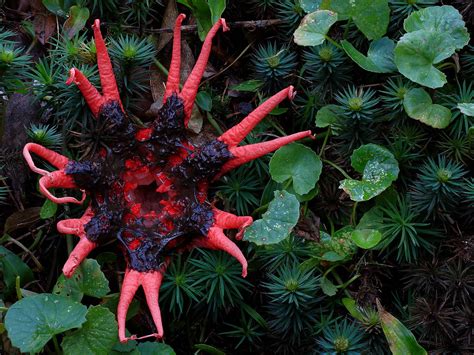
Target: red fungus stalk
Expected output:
[149,190]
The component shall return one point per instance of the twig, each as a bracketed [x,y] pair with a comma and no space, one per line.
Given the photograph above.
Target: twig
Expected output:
[251,25]
[35,260]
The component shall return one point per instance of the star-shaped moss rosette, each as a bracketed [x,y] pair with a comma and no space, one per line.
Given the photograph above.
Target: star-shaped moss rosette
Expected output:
[149,188]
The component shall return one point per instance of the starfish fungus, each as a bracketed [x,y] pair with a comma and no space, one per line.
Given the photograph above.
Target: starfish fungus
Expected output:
[148,189]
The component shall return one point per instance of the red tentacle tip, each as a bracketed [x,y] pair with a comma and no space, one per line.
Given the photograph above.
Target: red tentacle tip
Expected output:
[96,24]
[291,92]
[181,17]
[72,76]
[225,28]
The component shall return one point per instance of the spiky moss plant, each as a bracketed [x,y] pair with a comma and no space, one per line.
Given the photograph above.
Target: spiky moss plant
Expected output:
[73,51]
[219,280]
[457,278]
[406,155]
[402,231]
[3,191]
[434,321]
[424,278]
[308,102]
[260,7]
[458,148]
[273,65]
[240,190]
[178,288]
[411,134]
[460,123]
[45,135]
[401,9]
[343,338]
[12,64]
[290,12]
[467,61]
[45,76]
[324,320]
[393,94]
[332,203]
[291,250]
[370,322]
[292,295]
[104,8]
[139,12]
[327,67]
[357,104]
[438,187]
[247,332]
[358,112]
[133,56]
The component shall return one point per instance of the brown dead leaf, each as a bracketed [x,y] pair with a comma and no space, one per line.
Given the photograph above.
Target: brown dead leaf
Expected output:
[45,25]
[22,219]
[158,79]
[169,18]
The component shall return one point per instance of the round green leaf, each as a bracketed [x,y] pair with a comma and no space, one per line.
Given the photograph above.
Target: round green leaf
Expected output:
[371,17]
[87,280]
[314,27]
[250,85]
[343,8]
[379,58]
[310,5]
[276,224]
[153,348]
[12,266]
[419,106]
[32,321]
[204,101]
[76,21]
[327,115]
[297,163]
[466,109]
[97,335]
[416,54]
[327,286]
[366,238]
[48,209]
[440,19]
[379,169]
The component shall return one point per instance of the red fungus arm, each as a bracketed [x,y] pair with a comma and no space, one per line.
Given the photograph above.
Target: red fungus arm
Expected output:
[236,134]
[58,178]
[250,152]
[106,72]
[190,88]
[172,85]
[77,256]
[217,240]
[93,98]
[130,284]
[226,220]
[151,283]
[57,160]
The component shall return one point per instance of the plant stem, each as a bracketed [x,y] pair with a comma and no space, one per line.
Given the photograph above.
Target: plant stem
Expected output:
[337,167]
[346,31]
[340,282]
[56,345]
[17,288]
[328,133]
[161,66]
[353,215]
[329,39]
[214,123]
